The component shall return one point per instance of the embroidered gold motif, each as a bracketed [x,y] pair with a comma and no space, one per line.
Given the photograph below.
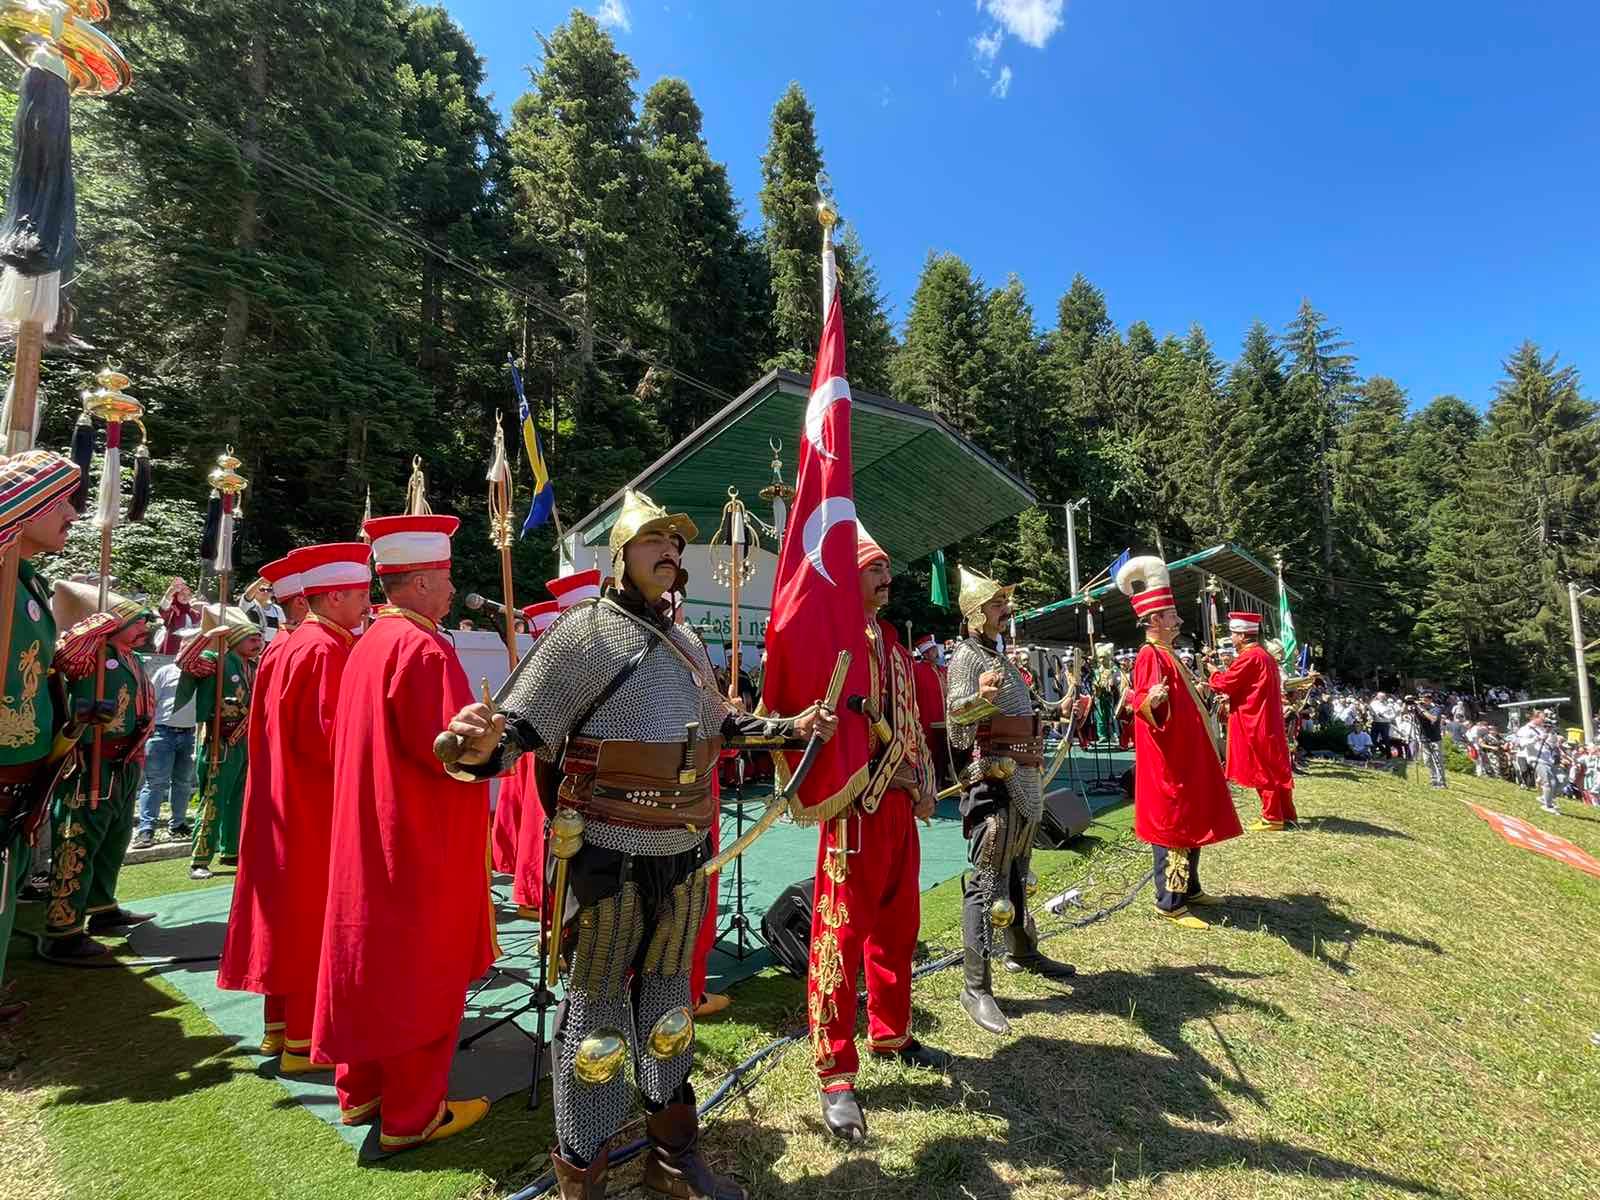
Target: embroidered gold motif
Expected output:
[123,700]
[19,726]
[70,855]
[1177,872]
[827,976]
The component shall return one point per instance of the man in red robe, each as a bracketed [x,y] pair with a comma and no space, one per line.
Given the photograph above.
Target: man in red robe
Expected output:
[274,936]
[867,905]
[408,923]
[519,816]
[288,592]
[1180,798]
[1258,744]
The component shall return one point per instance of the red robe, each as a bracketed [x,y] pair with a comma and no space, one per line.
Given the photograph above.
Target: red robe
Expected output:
[508,812]
[275,926]
[1258,744]
[1180,798]
[408,922]
[527,865]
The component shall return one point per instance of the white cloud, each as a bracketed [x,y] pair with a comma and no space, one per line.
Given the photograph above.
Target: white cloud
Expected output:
[1002,85]
[615,13]
[1032,22]
[986,45]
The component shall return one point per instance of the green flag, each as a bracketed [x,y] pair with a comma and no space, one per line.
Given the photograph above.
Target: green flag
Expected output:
[939,590]
[1291,646]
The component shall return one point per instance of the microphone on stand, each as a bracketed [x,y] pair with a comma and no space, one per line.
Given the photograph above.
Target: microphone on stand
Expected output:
[479,603]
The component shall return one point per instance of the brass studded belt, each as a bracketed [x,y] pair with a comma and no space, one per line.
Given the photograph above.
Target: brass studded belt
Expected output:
[650,784]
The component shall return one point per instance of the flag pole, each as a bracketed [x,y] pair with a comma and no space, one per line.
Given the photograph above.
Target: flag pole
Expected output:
[499,478]
[735,526]
[224,478]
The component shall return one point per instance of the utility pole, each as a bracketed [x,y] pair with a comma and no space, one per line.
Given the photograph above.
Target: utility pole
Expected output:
[1573,594]
[1072,559]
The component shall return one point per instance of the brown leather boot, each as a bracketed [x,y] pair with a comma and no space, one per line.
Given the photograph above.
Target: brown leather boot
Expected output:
[673,1167]
[580,1183]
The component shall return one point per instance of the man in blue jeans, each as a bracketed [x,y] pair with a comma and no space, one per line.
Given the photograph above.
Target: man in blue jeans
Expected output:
[169,762]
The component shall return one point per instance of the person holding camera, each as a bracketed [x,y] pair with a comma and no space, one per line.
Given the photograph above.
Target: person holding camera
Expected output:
[1427,726]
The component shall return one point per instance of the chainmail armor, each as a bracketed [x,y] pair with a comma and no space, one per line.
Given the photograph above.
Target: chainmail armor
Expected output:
[574,661]
[972,658]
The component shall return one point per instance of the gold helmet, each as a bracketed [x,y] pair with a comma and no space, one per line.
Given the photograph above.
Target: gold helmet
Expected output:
[976,591]
[640,514]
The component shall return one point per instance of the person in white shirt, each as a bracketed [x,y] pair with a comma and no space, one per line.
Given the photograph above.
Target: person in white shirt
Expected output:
[1360,742]
[1543,748]
[169,762]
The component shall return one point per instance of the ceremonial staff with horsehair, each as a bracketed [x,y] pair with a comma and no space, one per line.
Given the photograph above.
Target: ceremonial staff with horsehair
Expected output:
[499,478]
[61,54]
[109,403]
[226,486]
[735,532]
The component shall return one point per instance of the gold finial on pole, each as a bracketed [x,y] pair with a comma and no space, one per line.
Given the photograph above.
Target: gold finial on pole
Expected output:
[417,490]
[499,478]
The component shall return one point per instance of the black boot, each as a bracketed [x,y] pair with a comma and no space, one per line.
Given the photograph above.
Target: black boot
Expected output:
[117,918]
[977,989]
[674,1167]
[1022,954]
[580,1183]
[926,1058]
[976,996]
[842,1114]
[75,947]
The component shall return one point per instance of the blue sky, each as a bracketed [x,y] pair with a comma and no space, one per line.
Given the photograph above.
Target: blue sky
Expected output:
[1428,174]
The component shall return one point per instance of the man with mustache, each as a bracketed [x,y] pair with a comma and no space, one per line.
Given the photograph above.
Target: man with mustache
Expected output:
[867,904]
[619,706]
[992,719]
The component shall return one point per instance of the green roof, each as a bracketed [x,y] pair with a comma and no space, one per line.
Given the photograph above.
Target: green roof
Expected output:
[919,485]
[1246,583]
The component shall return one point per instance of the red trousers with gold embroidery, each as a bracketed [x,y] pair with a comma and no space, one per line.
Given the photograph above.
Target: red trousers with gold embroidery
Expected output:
[868,918]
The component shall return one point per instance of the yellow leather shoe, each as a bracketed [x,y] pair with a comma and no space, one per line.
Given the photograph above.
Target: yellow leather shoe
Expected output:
[300,1064]
[272,1042]
[361,1114]
[1184,920]
[714,1003]
[459,1116]
[1264,826]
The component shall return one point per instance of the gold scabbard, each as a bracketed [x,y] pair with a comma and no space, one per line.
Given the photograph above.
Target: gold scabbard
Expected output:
[566,838]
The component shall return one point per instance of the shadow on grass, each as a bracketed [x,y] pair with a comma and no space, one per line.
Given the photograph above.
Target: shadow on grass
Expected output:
[1352,826]
[1056,1112]
[1314,926]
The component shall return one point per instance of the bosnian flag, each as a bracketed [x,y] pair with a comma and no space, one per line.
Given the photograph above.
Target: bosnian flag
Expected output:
[816,599]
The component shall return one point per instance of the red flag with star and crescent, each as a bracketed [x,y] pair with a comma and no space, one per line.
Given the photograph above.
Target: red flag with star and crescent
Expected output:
[816,598]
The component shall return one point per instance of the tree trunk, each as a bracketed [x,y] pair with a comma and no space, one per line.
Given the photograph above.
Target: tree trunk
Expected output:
[236,325]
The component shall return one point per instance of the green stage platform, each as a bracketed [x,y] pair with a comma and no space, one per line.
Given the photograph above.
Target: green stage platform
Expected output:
[191,923]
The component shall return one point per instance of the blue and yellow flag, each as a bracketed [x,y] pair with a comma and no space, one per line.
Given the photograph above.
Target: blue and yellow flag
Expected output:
[544,492]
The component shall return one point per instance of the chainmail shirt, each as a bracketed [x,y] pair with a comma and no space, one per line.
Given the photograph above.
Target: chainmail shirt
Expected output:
[973,658]
[573,663]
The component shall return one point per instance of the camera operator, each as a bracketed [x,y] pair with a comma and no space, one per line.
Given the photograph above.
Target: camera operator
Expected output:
[1427,725]
[1543,745]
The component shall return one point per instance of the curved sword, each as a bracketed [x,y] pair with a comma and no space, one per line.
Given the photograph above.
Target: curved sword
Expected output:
[779,803]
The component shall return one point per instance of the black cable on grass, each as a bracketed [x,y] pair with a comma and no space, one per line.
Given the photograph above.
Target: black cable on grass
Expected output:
[737,1081]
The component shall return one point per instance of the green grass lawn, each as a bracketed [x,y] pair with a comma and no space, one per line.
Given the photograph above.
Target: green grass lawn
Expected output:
[1393,1002]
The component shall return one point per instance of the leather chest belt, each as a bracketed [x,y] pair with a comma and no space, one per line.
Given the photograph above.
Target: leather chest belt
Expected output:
[645,784]
[1020,739]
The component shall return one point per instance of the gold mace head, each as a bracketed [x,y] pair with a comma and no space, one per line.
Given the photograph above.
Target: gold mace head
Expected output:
[225,475]
[566,832]
[600,1056]
[1031,884]
[1001,913]
[107,400]
[671,1035]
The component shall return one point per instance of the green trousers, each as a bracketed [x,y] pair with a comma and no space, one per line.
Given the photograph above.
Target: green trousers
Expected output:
[89,844]
[1105,717]
[20,859]
[216,831]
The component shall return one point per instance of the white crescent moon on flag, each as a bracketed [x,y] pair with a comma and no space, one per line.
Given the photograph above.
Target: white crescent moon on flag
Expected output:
[833,510]
[829,392]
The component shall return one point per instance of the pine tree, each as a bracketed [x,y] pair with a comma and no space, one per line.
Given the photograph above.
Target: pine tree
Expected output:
[793,242]
[710,317]
[1013,405]
[941,365]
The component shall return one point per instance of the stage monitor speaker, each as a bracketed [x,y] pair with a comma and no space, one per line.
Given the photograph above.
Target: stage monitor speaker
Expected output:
[1066,815]
[786,928]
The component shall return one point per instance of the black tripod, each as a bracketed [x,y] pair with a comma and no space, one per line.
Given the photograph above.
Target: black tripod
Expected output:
[746,937]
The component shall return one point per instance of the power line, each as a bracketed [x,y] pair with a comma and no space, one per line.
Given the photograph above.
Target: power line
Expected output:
[302,175]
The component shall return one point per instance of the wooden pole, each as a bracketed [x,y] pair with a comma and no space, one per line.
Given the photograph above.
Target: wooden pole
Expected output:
[19,437]
[735,578]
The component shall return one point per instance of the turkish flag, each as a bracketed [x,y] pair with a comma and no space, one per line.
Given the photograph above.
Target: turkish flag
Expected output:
[816,598]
